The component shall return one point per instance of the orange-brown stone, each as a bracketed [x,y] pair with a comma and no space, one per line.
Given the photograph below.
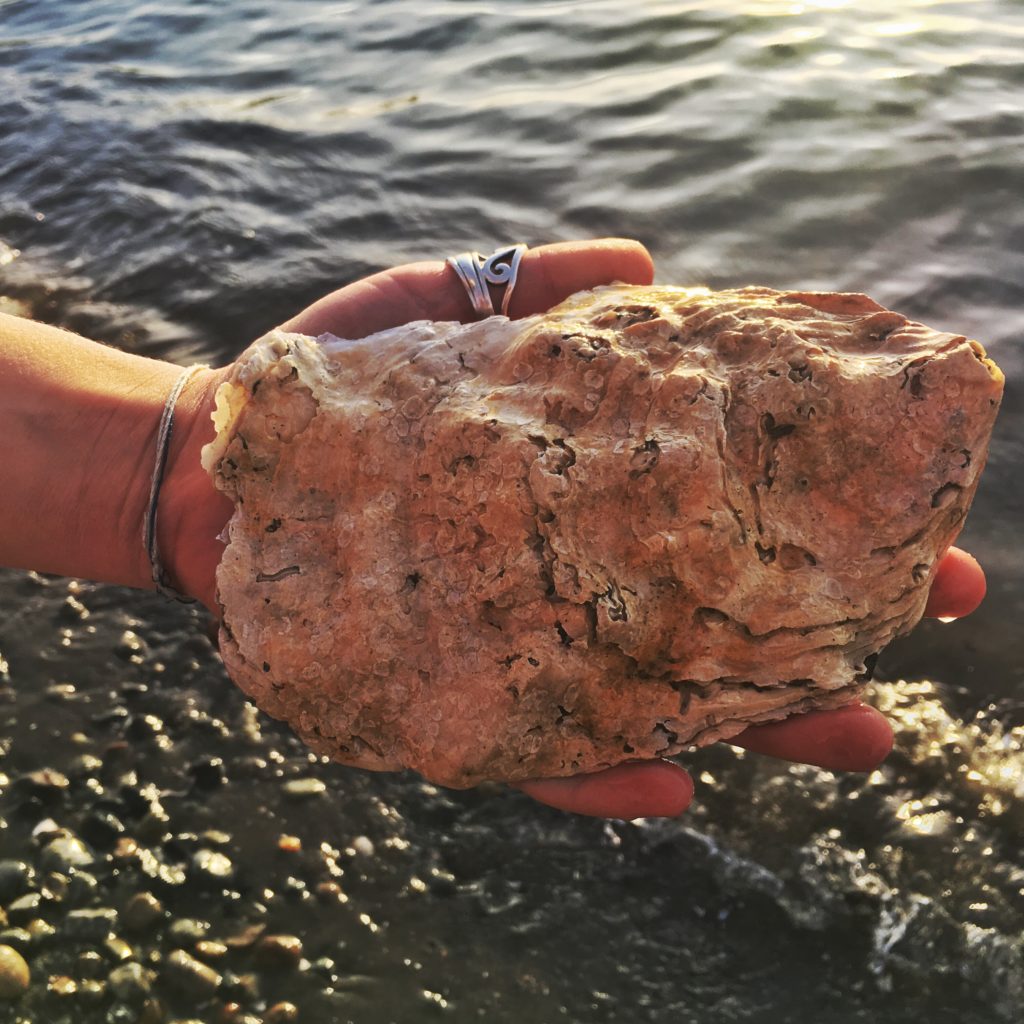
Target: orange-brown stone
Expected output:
[645,520]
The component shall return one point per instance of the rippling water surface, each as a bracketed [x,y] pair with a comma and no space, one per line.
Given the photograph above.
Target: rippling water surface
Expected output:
[175,178]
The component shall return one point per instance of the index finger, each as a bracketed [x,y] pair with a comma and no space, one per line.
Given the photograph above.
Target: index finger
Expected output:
[432,290]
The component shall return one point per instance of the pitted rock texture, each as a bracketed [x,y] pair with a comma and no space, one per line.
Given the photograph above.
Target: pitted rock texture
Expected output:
[642,521]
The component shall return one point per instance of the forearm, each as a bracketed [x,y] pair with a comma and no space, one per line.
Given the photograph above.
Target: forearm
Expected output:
[78,428]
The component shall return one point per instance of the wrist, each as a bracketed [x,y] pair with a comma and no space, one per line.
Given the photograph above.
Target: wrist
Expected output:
[192,512]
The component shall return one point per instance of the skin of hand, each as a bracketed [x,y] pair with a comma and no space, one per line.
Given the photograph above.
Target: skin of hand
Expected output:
[81,422]
[854,738]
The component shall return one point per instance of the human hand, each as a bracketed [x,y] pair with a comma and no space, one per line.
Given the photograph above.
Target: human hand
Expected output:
[193,515]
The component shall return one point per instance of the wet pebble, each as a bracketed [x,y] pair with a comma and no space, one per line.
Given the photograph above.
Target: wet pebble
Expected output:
[188,930]
[118,950]
[325,967]
[246,937]
[102,828]
[84,765]
[65,852]
[130,982]
[125,849]
[62,985]
[330,892]
[56,885]
[142,912]
[46,829]
[241,986]
[92,991]
[15,879]
[362,846]
[190,976]
[278,952]
[82,887]
[14,974]
[282,1013]
[230,1013]
[40,931]
[207,949]
[211,867]
[18,938]
[152,1013]
[24,908]
[90,964]
[303,789]
[46,785]
[90,925]
[215,837]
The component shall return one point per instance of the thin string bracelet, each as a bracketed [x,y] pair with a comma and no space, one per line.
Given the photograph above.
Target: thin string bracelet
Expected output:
[163,444]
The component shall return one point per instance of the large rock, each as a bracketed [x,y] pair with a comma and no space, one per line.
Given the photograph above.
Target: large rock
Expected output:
[644,520]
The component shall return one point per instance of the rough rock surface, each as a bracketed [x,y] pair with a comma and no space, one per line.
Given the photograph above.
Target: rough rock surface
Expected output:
[642,521]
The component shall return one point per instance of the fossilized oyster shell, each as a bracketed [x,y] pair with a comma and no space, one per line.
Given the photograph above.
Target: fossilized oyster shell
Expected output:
[644,520]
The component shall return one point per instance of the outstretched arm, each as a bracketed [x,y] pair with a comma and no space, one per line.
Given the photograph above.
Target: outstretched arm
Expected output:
[80,423]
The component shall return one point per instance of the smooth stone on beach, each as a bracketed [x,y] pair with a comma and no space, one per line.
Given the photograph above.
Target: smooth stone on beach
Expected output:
[81,888]
[18,938]
[190,976]
[47,784]
[118,950]
[207,949]
[56,885]
[188,930]
[211,867]
[245,987]
[280,952]
[90,964]
[62,985]
[91,925]
[141,912]
[91,991]
[15,878]
[303,789]
[64,852]
[130,982]
[14,973]
[40,930]
[102,828]
[363,846]
[282,1013]
[215,837]
[85,764]
[24,908]
[152,1013]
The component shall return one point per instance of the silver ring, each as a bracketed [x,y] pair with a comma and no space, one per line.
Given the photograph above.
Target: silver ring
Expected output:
[477,273]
